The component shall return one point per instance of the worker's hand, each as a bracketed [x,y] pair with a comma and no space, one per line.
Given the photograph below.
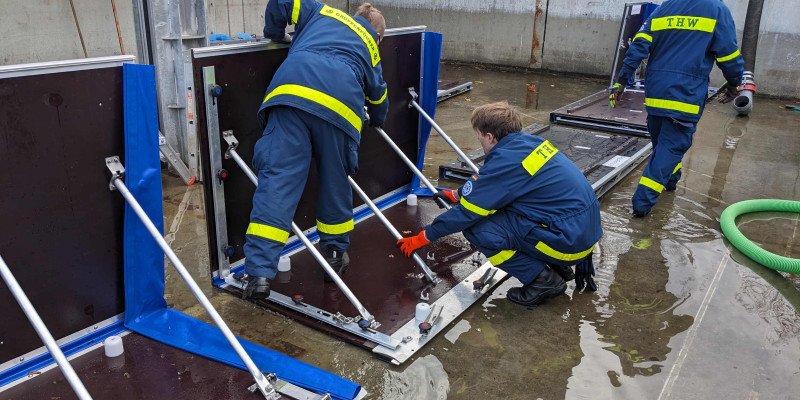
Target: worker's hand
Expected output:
[408,245]
[616,94]
[285,40]
[727,92]
[446,196]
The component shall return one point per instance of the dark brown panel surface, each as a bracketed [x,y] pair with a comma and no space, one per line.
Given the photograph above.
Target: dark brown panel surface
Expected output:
[629,116]
[244,78]
[381,277]
[60,228]
[147,370]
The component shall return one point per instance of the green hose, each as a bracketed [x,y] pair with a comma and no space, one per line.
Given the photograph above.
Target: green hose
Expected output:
[750,249]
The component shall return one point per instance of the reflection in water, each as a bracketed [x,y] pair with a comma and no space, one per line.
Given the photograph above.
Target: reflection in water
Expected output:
[641,321]
[425,378]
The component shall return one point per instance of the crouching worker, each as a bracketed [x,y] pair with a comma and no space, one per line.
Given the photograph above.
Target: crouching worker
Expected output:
[530,210]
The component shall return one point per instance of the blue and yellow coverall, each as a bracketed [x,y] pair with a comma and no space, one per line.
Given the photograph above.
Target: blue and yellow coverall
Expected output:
[528,206]
[313,106]
[683,39]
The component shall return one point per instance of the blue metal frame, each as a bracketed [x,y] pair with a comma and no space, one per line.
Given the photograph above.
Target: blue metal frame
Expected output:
[39,362]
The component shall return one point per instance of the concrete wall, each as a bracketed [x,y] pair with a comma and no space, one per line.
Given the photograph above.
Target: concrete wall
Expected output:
[44,30]
[580,35]
[561,35]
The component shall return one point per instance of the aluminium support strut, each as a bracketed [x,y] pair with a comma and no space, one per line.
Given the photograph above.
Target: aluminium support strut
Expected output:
[370,320]
[117,172]
[44,334]
[413,103]
[428,273]
[410,164]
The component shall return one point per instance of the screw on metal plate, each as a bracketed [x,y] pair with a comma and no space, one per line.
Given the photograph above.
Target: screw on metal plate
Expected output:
[407,339]
[340,318]
[117,170]
[232,142]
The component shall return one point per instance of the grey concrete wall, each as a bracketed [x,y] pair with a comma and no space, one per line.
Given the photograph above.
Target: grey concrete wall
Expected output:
[580,35]
[44,30]
[561,35]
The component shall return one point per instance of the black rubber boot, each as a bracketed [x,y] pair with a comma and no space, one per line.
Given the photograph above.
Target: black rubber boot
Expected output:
[338,260]
[546,286]
[256,288]
[564,272]
[640,214]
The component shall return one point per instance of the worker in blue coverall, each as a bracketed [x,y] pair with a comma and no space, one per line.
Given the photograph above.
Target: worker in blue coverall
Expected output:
[314,106]
[683,39]
[529,210]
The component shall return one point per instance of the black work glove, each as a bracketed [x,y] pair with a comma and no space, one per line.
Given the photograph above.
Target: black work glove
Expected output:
[584,272]
[443,197]
[616,94]
[728,92]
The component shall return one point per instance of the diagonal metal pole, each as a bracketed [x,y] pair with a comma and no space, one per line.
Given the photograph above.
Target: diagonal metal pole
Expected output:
[43,333]
[410,164]
[310,246]
[117,172]
[436,126]
[428,273]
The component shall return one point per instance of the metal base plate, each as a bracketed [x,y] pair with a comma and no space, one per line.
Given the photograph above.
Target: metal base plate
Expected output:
[387,283]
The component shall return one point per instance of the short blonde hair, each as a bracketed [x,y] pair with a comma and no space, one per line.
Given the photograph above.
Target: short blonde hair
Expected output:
[373,16]
[499,119]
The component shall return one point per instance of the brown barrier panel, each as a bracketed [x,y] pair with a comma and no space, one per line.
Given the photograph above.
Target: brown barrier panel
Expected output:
[244,77]
[60,230]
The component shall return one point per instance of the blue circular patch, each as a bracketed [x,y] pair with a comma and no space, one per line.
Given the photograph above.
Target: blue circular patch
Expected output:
[467,189]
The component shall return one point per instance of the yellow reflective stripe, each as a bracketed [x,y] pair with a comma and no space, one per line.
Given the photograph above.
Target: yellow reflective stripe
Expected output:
[295,11]
[267,232]
[541,246]
[318,97]
[673,105]
[534,161]
[379,101]
[357,28]
[677,167]
[335,229]
[645,181]
[501,257]
[683,22]
[729,56]
[474,208]
[643,36]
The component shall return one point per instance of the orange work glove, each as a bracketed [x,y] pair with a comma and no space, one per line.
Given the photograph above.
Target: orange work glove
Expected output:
[446,196]
[409,244]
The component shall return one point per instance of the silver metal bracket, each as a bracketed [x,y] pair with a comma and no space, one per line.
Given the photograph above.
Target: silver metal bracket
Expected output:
[174,159]
[117,171]
[413,94]
[336,319]
[233,143]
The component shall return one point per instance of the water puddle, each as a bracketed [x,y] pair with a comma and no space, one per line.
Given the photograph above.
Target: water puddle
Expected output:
[425,378]
[462,326]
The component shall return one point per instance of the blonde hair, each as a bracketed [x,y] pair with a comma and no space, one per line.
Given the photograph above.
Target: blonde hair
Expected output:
[499,119]
[373,16]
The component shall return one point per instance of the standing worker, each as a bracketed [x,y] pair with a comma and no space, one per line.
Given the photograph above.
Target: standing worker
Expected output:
[530,210]
[313,106]
[683,38]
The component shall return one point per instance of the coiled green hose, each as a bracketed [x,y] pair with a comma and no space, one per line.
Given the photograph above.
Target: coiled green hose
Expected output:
[750,249]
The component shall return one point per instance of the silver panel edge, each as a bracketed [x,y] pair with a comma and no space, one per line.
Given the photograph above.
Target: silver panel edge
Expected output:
[51,67]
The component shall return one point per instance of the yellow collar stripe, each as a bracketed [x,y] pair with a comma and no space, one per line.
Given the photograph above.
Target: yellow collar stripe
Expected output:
[295,11]
[357,28]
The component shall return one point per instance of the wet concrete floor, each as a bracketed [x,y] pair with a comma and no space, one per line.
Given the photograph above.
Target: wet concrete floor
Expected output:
[679,313]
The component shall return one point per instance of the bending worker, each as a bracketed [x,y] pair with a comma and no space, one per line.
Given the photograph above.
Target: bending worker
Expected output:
[530,210]
[314,106]
[683,38]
